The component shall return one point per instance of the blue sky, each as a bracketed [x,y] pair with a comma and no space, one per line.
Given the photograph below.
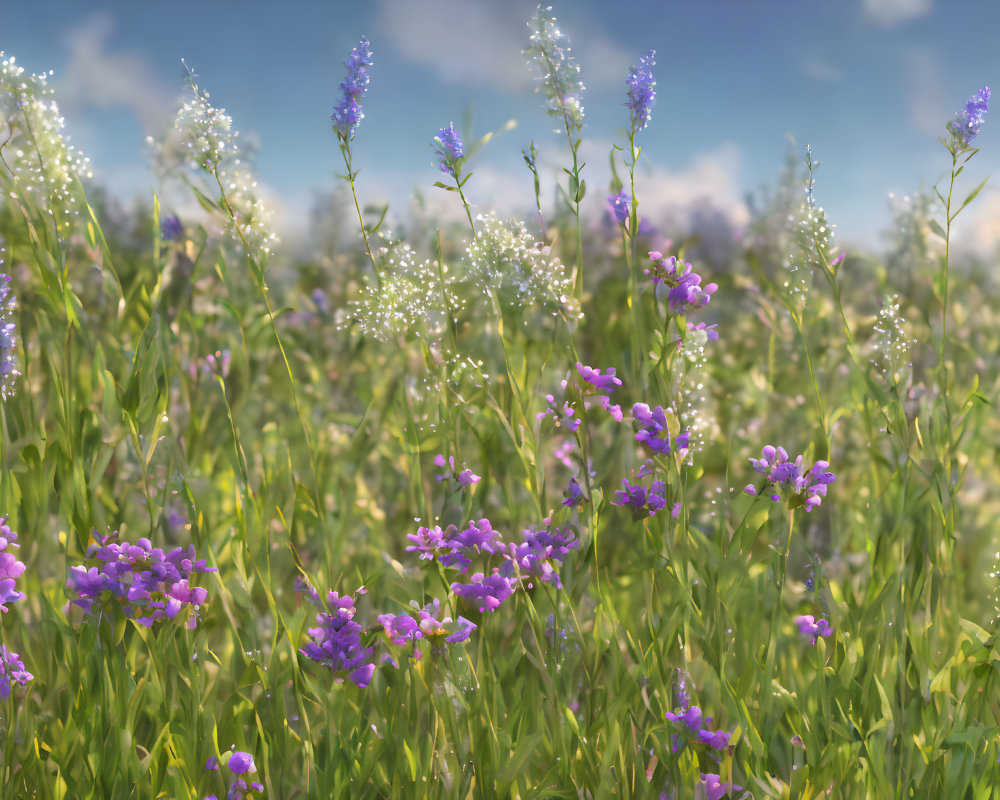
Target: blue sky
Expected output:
[868,83]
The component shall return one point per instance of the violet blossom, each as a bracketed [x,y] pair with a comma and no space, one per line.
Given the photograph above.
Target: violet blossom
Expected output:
[148,584]
[805,487]
[809,626]
[676,283]
[336,642]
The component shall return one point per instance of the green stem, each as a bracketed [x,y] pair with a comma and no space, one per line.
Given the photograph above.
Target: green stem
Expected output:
[345,150]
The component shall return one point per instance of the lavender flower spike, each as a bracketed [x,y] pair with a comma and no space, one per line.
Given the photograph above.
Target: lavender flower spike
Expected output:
[965,127]
[11,671]
[347,113]
[640,91]
[449,150]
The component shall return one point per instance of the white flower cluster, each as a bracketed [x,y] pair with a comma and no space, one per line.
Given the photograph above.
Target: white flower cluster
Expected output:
[560,74]
[505,262]
[203,139]
[891,344]
[812,235]
[206,132]
[42,164]
[8,338]
[249,210]
[411,297]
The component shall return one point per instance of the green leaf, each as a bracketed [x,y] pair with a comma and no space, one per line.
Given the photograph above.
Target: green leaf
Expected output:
[935,226]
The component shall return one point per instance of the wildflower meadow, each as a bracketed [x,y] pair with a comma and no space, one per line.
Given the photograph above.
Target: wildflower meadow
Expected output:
[533,507]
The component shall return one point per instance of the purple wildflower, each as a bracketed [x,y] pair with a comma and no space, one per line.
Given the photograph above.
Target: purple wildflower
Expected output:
[10,567]
[807,486]
[147,583]
[449,150]
[693,727]
[241,763]
[567,417]
[965,127]
[678,284]
[620,205]
[11,671]
[428,541]
[403,629]
[654,432]
[642,502]
[607,382]
[810,626]
[489,591]
[701,329]
[539,554]
[475,540]
[336,643]
[8,338]
[573,496]
[432,626]
[347,113]
[715,789]
[170,228]
[641,94]
[400,629]
[465,478]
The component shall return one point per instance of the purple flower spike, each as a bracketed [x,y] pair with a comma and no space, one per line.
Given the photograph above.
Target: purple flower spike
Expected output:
[336,643]
[539,555]
[347,113]
[965,127]
[449,150]
[465,478]
[148,584]
[691,717]
[241,763]
[654,433]
[11,671]
[693,727]
[489,591]
[427,541]
[809,626]
[676,283]
[808,486]
[620,205]
[574,494]
[717,740]
[400,629]
[641,94]
[170,228]
[715,789]
[432,627]
[604,383]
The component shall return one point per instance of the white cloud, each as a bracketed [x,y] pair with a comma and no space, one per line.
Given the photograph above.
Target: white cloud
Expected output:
[711,179]
[886,13]
[480,44]
[822,69]
[97,78]
[926,97]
